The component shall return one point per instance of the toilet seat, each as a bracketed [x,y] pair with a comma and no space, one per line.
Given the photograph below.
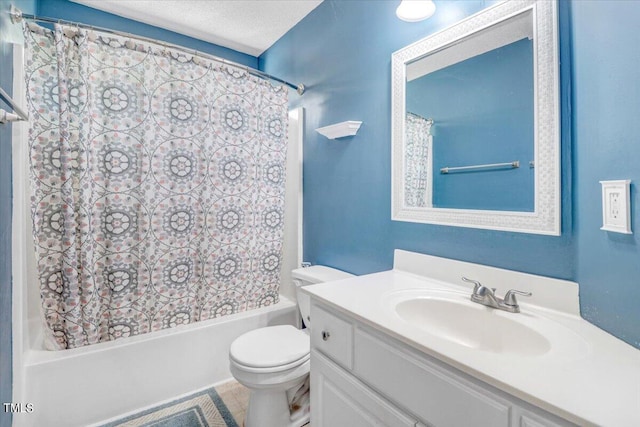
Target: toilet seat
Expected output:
[270,349]
[273,369]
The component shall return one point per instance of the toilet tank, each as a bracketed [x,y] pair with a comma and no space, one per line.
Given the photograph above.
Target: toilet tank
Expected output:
[309,276]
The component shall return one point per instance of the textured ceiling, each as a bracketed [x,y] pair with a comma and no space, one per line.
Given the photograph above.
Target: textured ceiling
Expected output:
[248,26]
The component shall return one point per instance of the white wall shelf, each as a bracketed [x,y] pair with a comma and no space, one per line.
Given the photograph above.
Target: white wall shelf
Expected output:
[340,130]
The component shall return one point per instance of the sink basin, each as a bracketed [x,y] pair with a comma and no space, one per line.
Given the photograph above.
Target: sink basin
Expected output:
[454,318]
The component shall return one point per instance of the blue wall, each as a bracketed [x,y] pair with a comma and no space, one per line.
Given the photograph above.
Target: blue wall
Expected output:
[342,51]
[483,113]
[347,186]
[62,9]
[606,105]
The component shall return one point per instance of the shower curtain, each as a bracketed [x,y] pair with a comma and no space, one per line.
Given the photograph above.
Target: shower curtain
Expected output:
[418,180]
[157,184]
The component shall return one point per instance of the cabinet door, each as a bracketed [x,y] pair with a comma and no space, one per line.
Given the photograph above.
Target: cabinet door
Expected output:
[339,400]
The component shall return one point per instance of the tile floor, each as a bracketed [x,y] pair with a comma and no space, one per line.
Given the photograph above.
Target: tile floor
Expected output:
[236,397]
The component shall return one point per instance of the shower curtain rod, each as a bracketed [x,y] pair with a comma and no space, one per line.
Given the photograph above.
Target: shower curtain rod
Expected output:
[17,16]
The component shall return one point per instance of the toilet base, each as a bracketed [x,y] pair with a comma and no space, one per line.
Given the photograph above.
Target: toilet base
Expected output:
[270,408]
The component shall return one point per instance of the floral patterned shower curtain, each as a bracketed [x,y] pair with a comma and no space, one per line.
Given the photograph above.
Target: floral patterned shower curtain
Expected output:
[157,185]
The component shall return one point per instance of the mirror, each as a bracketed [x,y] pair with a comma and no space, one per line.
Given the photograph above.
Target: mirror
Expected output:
[475,123]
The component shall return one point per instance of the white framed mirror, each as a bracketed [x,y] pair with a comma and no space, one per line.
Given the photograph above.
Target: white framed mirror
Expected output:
[475,122]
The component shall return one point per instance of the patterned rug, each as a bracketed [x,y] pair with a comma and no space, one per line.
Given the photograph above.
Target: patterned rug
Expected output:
[202,409]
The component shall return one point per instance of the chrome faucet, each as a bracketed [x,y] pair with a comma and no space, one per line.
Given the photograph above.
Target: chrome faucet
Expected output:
[487,296]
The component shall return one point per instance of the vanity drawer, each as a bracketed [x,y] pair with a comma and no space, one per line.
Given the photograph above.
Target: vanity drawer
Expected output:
[332,335]
[433,395]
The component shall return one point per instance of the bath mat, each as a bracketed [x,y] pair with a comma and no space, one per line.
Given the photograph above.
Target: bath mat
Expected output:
[202,409]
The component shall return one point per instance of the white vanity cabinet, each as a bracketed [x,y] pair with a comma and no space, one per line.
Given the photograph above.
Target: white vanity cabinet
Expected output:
[363,377]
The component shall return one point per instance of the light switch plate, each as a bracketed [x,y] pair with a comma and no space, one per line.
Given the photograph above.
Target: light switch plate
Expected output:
[616,206]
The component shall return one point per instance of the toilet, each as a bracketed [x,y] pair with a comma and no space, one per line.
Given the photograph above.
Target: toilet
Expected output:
[273,362]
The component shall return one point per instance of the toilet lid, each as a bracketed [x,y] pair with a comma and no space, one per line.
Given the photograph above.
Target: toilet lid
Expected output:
[269,347]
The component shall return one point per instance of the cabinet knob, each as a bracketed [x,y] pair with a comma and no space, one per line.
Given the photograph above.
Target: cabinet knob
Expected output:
[325,335]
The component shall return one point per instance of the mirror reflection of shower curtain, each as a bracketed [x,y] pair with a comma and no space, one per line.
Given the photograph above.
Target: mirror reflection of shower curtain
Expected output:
[418,158]
[158,185]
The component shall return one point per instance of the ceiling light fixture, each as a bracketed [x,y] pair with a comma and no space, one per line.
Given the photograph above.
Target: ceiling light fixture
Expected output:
[415,10]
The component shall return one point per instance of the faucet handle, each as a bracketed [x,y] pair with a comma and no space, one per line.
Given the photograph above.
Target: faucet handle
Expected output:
[510,297]
[476,284]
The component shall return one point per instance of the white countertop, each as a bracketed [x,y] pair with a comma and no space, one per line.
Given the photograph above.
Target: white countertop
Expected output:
[591,378]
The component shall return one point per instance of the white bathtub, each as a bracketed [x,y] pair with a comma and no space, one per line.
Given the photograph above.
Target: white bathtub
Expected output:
[89,385]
